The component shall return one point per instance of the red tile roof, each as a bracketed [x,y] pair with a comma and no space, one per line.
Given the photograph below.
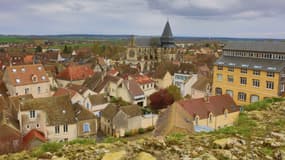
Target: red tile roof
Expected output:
[113,72]
[216,105]
[76,72]
[28,59]
[142,79]
[22,74]
[64,91]
[33,134]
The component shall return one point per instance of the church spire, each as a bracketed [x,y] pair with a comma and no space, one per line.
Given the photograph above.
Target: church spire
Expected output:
[166,38]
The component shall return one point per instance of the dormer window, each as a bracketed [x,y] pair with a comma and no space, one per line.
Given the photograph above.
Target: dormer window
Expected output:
[35,78]
[18,80]
[32,114]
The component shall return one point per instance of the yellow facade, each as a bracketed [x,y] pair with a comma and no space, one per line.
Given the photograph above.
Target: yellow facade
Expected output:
[218,121]
[250,90]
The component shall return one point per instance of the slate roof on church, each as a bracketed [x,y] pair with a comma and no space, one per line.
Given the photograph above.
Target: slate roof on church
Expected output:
[263,46]
[167,30]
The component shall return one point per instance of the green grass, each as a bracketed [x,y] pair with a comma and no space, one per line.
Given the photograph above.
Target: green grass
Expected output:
[84,141]
[175,138]
[111,139]
[12,39]
[260,105]
[47,147]
[243,126]
[267,151]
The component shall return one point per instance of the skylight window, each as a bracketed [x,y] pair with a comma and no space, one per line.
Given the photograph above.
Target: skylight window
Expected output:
[244,65]
[23,69]
[14,70]
[258,67]
[43,78]
[232,64]
[18,80]
[39,68]
[220,62]
[271,68]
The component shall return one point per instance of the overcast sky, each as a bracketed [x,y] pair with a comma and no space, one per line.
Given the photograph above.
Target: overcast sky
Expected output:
[207,18]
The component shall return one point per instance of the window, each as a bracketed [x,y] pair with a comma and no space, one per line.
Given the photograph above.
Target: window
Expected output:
[87,106]
[38,125]
[18,80]
[243,80]
[256,72]
[241,96]
[220,67]
[254,98]
[32,114]
[230,92]
[26,90]
[218,91]
[230,78]
[28,126]
[270,74]
[269,85]
[219,77]
[86,127]
[39,90]
[231,69]
[56,129]
[255,83]
[243,70]
[65,128]
[282,89]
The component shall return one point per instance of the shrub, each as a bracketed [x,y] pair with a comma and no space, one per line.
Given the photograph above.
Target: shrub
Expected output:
[175,138]
[111,139]
[141,130]
[262,104]
[150,128]
[47,147]
[128,134]
[83,141]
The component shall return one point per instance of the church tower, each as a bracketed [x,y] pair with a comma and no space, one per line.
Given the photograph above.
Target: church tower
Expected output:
[166,39]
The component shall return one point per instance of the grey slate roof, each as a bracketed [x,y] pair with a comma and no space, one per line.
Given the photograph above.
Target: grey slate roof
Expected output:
[167,30]
[265,46]
[251,63]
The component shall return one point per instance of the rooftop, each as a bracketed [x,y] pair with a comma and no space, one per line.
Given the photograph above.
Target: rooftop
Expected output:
[264,46]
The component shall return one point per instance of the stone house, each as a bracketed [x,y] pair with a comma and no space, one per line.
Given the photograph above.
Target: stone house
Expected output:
[27,79]
[210,113]
[130,91]
[201,88]
[96,103]
[10,136]
[74,96]
[172,120]
[56,117]
[162,80]
[33,139]
[117,120]
[146,84]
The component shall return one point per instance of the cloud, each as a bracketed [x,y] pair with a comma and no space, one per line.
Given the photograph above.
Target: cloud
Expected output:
[218,9]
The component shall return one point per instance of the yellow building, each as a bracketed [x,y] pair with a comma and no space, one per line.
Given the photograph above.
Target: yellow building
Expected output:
[250,71]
